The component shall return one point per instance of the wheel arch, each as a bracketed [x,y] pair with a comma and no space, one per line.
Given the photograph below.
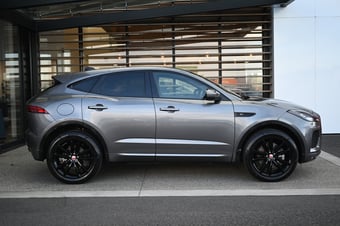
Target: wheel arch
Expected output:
[72,126]
[270,125]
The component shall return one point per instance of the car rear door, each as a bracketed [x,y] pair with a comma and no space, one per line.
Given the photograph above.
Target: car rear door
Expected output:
[120,107]
[186,124]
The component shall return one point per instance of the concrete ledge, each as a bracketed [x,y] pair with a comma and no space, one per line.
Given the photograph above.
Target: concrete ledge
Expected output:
[169,193]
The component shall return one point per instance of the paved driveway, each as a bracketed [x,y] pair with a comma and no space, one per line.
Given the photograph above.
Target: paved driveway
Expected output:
[21,176]
[331,143]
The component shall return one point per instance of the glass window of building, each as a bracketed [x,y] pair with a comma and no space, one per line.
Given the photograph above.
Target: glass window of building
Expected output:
[230,47]
[11,99]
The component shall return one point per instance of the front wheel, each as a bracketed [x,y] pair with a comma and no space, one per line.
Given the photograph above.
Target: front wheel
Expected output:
[270,155]
[74,157]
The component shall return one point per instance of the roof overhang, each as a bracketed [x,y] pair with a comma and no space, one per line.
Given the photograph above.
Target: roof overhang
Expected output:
[130,15]
[20,4]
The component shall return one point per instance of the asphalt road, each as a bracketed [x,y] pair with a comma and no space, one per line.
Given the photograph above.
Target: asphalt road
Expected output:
[284,210]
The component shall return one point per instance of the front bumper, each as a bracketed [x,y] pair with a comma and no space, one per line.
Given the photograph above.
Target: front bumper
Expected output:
[313,146]
[307,135]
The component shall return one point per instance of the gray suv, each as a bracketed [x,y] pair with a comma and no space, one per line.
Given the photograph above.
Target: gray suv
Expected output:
[156,114]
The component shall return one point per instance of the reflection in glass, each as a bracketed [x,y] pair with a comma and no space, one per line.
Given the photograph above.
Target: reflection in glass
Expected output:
[232,48]
[11,126]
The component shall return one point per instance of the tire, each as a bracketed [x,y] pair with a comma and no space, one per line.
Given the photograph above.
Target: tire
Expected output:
[270,155]
[74,157]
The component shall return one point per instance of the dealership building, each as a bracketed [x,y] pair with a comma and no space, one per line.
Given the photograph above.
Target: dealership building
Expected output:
[283,49]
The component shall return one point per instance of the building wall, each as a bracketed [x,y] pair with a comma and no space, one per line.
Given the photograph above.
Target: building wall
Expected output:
[306,57]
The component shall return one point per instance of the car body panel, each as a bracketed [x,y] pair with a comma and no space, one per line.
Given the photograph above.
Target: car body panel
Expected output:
[138,129]
[196,128]
[127,125]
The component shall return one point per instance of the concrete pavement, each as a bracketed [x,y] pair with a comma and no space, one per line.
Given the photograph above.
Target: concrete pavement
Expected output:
[331,143]
[21,176]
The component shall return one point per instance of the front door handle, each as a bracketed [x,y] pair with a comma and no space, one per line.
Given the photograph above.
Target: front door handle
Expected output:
[97,107]
[170,109]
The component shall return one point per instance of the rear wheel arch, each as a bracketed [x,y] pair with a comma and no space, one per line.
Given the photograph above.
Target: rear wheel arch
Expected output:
[72,126]
[290,131]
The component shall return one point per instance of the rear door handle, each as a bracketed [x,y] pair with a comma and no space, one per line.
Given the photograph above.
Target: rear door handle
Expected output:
[170,109]
[97,107]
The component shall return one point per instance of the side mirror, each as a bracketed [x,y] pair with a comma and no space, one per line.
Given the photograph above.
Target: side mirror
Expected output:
[211,94]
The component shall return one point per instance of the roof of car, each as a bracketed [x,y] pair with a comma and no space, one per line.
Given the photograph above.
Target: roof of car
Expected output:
[68,77]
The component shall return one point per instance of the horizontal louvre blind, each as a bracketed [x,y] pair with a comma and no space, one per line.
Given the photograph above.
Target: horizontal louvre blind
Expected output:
[232,48]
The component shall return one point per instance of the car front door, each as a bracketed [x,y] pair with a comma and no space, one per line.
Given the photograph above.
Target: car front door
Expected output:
[120,107]
[187,125]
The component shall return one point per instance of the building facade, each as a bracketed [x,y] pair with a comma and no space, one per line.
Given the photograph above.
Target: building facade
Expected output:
[306,63]
[270,48]
[16,58]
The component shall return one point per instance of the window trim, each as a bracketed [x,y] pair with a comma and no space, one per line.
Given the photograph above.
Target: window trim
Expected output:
[146,84]
[155,92]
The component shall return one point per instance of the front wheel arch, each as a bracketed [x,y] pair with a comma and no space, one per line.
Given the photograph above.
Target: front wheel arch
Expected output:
[270,125]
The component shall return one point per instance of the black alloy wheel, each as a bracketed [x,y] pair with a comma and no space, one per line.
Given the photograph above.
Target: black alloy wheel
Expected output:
[270,155]
[74,157]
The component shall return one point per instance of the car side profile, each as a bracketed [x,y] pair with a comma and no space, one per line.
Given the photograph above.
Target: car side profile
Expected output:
[164,114]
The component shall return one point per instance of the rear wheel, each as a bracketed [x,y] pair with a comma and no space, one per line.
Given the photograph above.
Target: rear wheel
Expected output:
[270,155]
[74,157]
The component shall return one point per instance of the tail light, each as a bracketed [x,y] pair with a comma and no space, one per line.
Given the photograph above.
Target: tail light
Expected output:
[36,109]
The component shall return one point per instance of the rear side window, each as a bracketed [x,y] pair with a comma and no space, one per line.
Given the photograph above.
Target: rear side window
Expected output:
[84,85]
[121,84]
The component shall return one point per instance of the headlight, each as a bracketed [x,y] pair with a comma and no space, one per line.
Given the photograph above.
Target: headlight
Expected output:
[304,115]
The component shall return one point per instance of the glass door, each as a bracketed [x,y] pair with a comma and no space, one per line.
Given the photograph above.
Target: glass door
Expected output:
[11,114]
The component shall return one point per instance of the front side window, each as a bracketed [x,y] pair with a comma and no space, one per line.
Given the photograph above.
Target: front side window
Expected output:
[121,84]
[175,86]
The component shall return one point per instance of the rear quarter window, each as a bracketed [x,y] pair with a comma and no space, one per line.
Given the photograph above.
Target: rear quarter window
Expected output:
[84,85]
[122,84]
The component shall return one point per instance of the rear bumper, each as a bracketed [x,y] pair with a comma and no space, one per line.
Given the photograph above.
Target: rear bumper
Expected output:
[32,142]
[38,124]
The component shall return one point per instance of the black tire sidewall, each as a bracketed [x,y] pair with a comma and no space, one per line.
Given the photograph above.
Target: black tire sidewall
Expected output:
[247,155]
[87,139]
